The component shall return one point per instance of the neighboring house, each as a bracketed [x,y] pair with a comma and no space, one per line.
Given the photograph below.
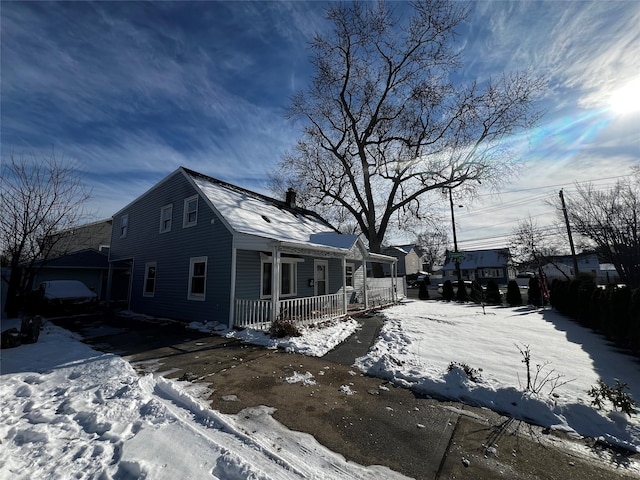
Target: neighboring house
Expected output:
[202,249]
[481,265]
[89,266]
[588,263]
[409,262]
[96,235]
[608,275]
[80,253]
[559,271]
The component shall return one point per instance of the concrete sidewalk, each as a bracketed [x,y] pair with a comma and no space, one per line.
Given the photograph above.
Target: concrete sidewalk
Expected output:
[366,419]
[358,344]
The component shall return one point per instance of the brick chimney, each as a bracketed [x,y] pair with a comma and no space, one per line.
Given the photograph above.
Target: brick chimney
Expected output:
[290,199]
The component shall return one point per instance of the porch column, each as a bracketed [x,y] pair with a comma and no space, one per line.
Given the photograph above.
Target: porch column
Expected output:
[344,285]
[232,295]
[394,281]
[275,283]
[364,282]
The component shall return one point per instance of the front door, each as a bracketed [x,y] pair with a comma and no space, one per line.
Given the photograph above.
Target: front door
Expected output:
[321,277]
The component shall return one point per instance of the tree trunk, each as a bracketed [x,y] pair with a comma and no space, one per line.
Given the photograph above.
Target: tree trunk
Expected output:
[13,302]
[375,246]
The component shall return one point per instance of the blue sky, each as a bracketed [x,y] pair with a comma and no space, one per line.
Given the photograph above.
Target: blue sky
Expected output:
[132,90]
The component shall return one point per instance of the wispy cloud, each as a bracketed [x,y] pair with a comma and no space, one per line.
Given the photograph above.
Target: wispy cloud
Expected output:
[588,47]
[132,90]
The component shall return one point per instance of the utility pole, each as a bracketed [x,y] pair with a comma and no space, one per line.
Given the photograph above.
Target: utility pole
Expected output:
[573,249]
[455,240]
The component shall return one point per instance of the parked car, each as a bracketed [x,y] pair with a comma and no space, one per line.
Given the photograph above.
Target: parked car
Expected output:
[65,296]
[467,286]
[423,277]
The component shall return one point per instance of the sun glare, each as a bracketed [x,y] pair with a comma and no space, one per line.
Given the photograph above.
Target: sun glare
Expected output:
[626,99]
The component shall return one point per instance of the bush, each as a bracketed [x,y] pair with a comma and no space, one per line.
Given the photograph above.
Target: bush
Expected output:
[535,295]
[634,322]
[617,396]
[514,297]
[477,294]
[493,296]
[423,292]
[284,327]
[586,288]
[471,373]
[614,311]
[461,294]
[447,291]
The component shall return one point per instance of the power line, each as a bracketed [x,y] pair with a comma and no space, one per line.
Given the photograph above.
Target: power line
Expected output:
[554,186]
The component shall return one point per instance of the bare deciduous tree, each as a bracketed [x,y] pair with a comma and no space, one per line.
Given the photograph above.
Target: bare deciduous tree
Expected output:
[39,199]
[609,220]
[433,244]
[384,124]
[532,246]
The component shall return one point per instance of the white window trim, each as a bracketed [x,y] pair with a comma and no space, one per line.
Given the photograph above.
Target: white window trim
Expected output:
[146,277]
[124,225]
[162,210]
[293,282]
[197,296]
[353,272]
[185,215]
[317,262]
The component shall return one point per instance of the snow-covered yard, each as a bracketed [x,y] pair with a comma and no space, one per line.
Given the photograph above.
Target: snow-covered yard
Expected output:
[421,339]
[70,411]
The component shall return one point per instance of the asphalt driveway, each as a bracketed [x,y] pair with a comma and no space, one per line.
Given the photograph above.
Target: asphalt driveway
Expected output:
[366,419]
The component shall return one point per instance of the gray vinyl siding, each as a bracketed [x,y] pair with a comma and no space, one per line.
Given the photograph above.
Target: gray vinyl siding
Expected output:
[172,252]
[248,278]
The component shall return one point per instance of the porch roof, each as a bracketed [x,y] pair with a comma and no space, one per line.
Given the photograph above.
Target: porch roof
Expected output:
[333,245]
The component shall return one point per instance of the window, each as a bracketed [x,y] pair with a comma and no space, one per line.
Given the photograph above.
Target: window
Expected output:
[149,279]
[124,225]
[348,273]
[288,277]
[190,212]
[321,277]
[165,218]
[197,278]
[490,273]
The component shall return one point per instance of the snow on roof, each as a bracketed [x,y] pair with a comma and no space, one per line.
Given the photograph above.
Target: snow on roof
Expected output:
[255,214]
[398,250]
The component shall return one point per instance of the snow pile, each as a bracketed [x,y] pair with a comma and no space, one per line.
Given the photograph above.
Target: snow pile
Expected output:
[347,390]
[453,351]
[69,411]
[305,379]
[314,341]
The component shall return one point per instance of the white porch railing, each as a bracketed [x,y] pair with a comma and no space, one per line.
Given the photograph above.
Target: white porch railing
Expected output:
[308,310]
[253,314]
[303,311]
[256,314]
[379,296]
